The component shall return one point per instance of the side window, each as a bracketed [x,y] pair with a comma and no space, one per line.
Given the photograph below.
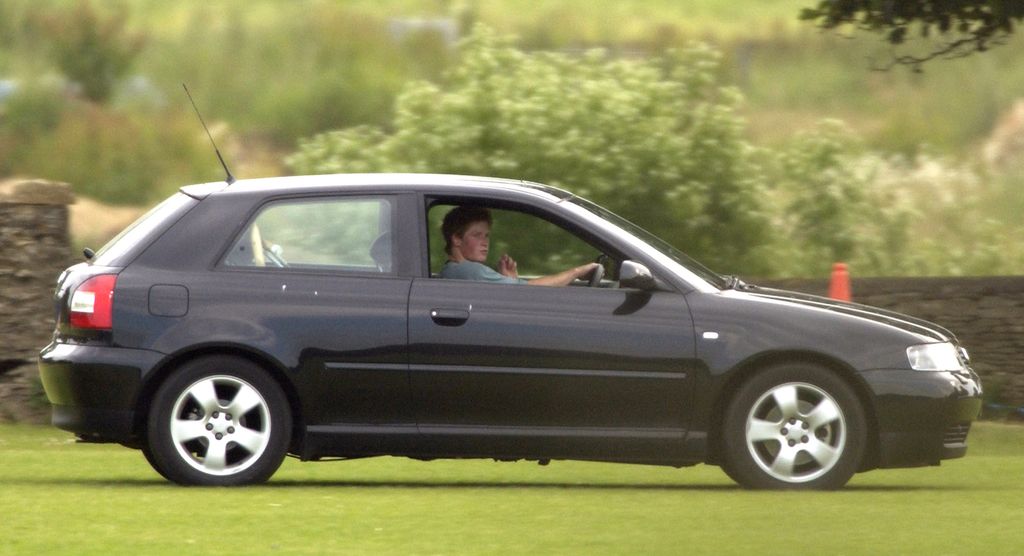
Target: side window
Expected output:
[539,247]
[352,234]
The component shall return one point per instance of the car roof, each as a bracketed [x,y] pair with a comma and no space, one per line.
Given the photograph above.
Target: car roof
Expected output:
[383,182]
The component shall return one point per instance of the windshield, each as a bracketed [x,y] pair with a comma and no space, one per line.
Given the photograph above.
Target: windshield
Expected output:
[680,258]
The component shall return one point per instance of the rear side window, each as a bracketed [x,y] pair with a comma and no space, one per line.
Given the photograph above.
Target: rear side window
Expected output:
[349,234]
[137,236]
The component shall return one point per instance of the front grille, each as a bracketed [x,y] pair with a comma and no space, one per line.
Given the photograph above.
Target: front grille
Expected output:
[956,434]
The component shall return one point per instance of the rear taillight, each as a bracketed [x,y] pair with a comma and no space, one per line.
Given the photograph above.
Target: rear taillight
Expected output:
[92,303]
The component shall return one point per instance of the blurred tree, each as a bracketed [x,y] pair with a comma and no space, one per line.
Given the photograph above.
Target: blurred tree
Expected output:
[971,25]
[90,48]
[658,141]
[819,196]
[829,206]
[115,158]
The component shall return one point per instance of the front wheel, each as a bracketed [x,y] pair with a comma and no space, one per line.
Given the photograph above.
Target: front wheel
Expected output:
[218,420]
[794,426]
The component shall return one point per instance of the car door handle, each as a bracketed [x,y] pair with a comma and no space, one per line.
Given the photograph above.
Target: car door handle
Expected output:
[449,317]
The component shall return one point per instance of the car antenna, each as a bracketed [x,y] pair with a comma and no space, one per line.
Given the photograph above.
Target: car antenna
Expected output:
[230,179]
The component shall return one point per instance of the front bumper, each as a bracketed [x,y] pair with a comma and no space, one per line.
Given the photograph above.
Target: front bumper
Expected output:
[922,417]
[94,389]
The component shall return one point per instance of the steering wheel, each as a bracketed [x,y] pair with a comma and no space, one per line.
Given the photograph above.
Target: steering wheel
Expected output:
[273,256]
[598,273]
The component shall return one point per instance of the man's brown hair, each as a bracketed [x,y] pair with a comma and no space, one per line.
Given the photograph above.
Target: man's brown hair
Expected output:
[459,219]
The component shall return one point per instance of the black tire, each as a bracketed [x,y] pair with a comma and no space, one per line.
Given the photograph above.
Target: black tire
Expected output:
[793,426]
[148,453]
[218,421]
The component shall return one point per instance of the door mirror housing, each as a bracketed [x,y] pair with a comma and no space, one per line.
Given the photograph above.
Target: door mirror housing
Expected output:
[635,275]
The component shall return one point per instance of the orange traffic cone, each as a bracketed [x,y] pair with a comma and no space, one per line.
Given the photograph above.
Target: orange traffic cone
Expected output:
[839,285]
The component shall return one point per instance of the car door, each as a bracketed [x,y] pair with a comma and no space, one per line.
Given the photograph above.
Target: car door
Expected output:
[564,371]
[320,278]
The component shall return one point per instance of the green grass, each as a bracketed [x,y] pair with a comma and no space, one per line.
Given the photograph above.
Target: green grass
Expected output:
[62,498]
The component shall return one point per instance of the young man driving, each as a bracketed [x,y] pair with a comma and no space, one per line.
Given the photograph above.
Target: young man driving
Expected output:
[467,232]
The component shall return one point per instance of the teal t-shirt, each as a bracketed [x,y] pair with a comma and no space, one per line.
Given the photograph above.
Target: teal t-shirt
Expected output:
[471,270]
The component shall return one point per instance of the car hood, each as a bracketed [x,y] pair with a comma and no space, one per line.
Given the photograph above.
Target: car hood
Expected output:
[891,318]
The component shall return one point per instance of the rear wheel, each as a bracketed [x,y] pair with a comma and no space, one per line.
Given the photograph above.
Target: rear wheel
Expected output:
[218,420]
[794,426]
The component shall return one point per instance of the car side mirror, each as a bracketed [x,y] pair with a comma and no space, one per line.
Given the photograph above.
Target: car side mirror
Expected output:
[635,275]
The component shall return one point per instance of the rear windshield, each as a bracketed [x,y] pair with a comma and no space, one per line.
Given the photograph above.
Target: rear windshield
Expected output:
[129,243]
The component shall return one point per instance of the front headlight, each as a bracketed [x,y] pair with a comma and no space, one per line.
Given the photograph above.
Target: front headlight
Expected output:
[934,357]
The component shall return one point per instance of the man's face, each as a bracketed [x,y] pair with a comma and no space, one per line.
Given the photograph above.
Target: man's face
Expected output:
[474,242]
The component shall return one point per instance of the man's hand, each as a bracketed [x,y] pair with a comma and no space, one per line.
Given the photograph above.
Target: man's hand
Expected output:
[507,266]
[585,270]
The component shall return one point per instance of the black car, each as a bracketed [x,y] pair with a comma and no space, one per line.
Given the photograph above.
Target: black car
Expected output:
[235,324]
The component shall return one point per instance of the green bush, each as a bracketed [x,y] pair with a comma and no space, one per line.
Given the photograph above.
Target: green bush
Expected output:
[115,158]
[32,110]
[658,141]
[330,100]
[29,113]
[92,48]
[827,209]
[285,70]
[889,215]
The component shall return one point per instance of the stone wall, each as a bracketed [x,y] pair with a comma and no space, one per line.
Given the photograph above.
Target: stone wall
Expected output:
[985,313]
[34,249]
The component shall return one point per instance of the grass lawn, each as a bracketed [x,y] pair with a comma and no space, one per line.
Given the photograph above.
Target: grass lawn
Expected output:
[57,497]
